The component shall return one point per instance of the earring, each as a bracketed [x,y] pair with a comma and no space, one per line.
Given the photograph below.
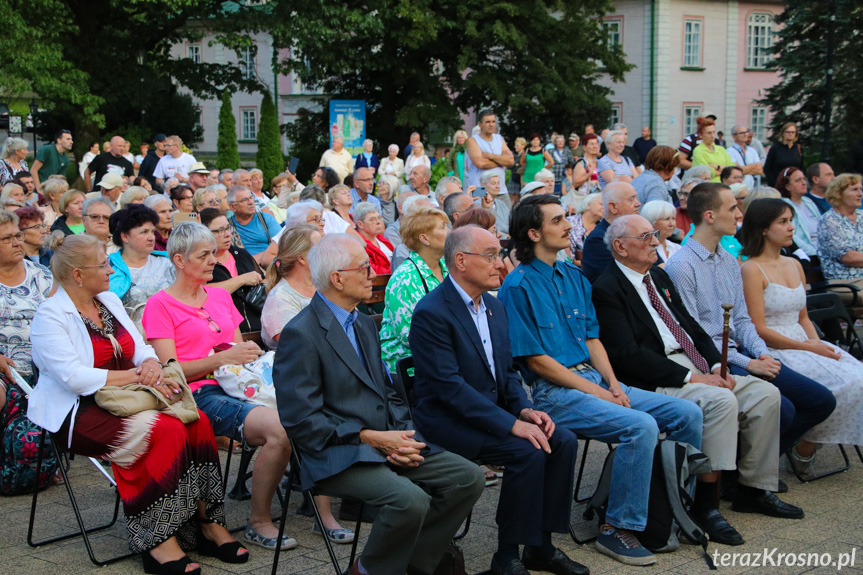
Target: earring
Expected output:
[80,284]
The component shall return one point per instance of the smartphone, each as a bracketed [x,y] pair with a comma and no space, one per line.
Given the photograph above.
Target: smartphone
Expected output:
[292,166]
[223,347]
[479,192]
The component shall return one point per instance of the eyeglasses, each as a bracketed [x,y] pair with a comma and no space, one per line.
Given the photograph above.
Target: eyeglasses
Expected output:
[241,200]
[97,218]
[740,133]
[13,238]
[366,266]
[363,179]
[645,237]
[211,323]
[103,265]
[220,231]
[489,257]
[213,203]
[314,220]
[34,227]
[682,194]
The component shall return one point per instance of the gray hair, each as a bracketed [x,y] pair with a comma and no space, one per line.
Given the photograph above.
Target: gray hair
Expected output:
[186,237]
[405,188]
[232,193]
[618,127]
[412,201]
[367,141]
[8,217]
[487,175]
[93,201]
[449,204]
[9,188]
[458,241]
[444,181]
[405,196]
[618,228]
[363,209]
[316,193]
[298,212]
[391,146]
[239,173]
[587,201]
[153,201]
[54,186]
[132,194]
[613,134]
[735,128]
[657,210]
[5,203]
[702,172]
[217,188]
[224,173]
[760,193]
[611,193]
[689,183]
[393,184]
[12,145]
[329,255]
[543,174]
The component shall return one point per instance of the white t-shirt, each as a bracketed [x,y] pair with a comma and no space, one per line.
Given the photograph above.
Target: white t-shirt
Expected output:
[334,224]
[169,166]
[385,249]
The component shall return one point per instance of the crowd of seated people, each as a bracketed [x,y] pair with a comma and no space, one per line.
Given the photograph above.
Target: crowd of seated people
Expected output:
[479,294]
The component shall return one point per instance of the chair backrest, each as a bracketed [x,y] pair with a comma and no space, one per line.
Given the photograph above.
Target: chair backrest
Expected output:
[828,312]
[255,336]
[379,289]
[406,375]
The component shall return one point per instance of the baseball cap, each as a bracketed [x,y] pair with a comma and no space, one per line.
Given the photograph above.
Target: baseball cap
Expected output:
[574,136]
[709,115]
[199,168]
[528,188]
[110,181]
[159,138]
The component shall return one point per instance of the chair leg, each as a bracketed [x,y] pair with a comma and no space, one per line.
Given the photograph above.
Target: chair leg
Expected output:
[465,529]
[83,531]
[580,475]
[859,453]
[357,533]
[327,542]
[840,469]
[284,519]
[240,492]
[227,467]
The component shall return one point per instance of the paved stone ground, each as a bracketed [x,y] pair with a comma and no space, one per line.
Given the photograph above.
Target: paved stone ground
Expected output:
[833,524]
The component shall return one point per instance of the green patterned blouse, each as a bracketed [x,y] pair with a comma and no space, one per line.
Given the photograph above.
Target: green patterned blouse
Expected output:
[404,290]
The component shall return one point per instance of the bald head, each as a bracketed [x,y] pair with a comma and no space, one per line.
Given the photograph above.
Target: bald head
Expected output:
[118,145]
[619,199]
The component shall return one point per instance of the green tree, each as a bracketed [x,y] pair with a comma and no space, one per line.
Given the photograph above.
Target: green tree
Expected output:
[269,158]
[308,136]
[229,155]
[802,95]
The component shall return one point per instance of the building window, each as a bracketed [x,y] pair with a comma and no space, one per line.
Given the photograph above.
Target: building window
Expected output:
[690,113]
[759,40]
[614,31]
[692,42]
[249,123]
[247,63]
[193,53]
[758,122]
[199,120]
[616,113]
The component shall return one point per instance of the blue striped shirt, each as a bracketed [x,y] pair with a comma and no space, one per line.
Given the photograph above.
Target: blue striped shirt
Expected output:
[705,281]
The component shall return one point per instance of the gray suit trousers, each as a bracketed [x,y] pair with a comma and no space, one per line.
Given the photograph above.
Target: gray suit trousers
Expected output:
[421,508]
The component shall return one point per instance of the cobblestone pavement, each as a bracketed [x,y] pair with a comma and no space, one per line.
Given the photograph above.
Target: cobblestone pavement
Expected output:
[833,524]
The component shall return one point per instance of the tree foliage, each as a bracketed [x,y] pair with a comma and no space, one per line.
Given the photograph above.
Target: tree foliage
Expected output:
[229,155]
[308,135]
[801,56]
[269,158]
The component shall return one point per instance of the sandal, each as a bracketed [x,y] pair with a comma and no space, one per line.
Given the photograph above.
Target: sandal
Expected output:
[250,535]
[490,477]
[340,536]
[226,552]
[177,567]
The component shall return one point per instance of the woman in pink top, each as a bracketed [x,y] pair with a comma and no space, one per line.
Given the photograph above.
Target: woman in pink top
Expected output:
[186,321]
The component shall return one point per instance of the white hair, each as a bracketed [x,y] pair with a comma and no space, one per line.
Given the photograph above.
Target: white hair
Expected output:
[657,210]
[409,203]
[613,134]
[701,172]
[543,174]
[588,200]
[85,207]
[299,211]
[363,209]
[186,238]
[404,196]
[393,147]
[446,180]
[155,200]
[618,228]
[330,254]
[612,193]
[232,193]
[489,174]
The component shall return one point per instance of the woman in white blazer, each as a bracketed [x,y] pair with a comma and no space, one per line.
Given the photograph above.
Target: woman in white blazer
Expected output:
[167,473]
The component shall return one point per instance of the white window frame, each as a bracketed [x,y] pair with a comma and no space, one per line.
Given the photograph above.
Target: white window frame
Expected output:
[616,113]
[759,40]
[758,122]
[691,111]
[614,30]
[193,52]
[248,64]
[249,123]
[693,42]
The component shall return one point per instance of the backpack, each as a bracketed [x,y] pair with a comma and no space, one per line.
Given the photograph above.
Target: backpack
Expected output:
[675,466]
[19,448]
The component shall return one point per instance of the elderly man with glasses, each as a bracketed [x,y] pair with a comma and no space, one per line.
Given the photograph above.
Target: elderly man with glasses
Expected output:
[253,228]
[354,429]
[746,156]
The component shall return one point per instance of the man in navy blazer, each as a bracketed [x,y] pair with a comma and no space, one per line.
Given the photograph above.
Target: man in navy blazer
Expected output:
[469,399]
[354,429]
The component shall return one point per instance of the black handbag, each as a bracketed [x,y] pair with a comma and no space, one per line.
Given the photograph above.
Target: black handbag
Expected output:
[255,297]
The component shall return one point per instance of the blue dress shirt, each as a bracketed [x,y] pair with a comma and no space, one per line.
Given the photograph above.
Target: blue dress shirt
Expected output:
[480,320]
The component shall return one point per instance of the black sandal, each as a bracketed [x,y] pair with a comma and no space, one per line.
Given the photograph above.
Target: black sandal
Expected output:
[176,567]
[226,552]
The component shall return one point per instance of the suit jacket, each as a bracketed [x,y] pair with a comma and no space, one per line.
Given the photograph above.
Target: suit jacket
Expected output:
[326,396]
[459,401]
[630,335]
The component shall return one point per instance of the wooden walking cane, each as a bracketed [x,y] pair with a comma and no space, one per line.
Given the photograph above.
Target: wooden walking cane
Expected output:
[726,328]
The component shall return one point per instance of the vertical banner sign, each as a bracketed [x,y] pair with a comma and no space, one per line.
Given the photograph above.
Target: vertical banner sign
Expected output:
[348,121]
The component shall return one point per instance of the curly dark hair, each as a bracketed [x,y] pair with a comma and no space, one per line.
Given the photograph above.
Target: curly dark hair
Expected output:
[526,216]
[330,176]
[131,217]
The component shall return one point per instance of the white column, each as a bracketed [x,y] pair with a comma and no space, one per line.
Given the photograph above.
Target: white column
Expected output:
[728,119]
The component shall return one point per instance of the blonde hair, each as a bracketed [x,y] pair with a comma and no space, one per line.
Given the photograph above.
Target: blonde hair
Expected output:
[132,195]
[521,141]
[294,244]
[68,197]
[198,197]
[841,183]
[759,193]
[456,135]
[9,188]
[71,252]
[333,192]
[393,184]
[420,220]
[54,186]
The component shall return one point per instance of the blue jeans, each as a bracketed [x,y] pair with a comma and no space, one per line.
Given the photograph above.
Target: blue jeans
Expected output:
[636,431]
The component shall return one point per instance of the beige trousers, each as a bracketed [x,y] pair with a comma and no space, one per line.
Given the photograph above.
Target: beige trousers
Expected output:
[752,409]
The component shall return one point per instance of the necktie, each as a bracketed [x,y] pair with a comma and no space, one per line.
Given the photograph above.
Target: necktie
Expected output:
[674,327]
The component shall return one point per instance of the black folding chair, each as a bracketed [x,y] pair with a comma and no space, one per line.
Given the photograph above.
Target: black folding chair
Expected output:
[293,484]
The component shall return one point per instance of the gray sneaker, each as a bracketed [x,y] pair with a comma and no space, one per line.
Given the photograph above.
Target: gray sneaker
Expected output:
[623,546]
[804,468]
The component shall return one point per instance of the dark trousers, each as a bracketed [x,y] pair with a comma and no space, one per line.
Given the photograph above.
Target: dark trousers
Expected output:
[805,404]
[537,487]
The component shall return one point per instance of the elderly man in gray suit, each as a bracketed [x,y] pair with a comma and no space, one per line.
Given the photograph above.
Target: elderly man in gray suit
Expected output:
[354,428]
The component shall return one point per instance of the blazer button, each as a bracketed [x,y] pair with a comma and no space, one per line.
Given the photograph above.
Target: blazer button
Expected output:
[494,390]
[380,408]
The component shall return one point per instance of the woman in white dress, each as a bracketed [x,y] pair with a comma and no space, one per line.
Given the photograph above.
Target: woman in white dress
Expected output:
[774,287]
